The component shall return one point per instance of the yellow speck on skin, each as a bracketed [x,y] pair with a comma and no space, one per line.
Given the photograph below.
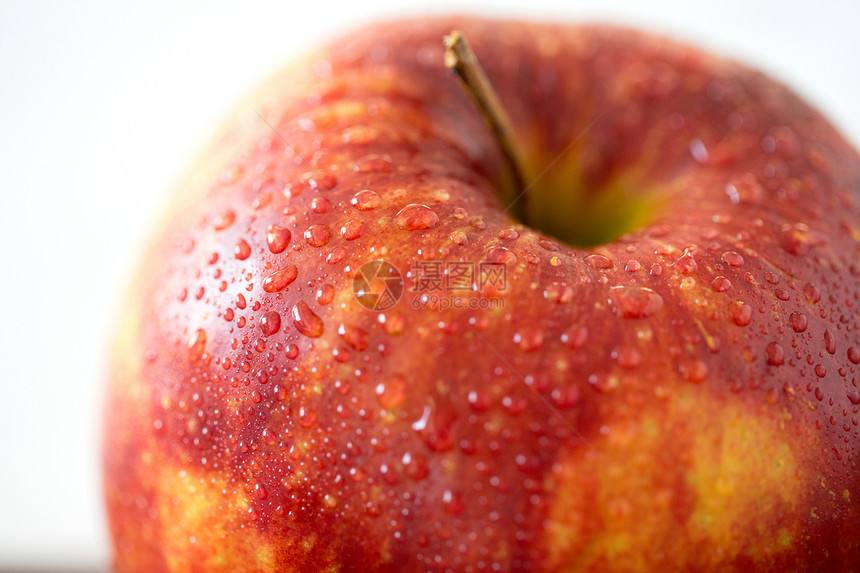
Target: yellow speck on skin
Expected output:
[197,535]
[694,486]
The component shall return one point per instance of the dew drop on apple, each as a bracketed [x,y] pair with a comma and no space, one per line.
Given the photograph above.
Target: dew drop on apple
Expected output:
[373,163]
[320,205]
[351,230]
[353,336]
[196,345]
[740,313]
[634,302]
[453,502]
[798,322]
[854,355]
[812,293]
[415,466]
[529,339]
[325,294]
[318,235]
[694,370]
[599,262]
[721,284]
[225,219]
[829,342]
[279,280]
[307,416]
[306,320]
[745,188]
[775,354]
[558,293]
[795,239]
[277,238]
[242,250]
[854,397]
[365,200]
[270,323]
[733,259]
[416,217]
[499,255]
[392,392]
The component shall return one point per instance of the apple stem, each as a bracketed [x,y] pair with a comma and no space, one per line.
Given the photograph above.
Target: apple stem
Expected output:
[461,60]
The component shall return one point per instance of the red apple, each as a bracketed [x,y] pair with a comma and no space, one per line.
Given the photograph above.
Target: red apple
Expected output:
[662,374]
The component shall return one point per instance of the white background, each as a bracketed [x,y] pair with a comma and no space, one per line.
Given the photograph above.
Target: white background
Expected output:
[100,107]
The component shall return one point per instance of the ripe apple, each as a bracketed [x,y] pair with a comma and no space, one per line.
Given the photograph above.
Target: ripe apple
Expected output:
[630,345]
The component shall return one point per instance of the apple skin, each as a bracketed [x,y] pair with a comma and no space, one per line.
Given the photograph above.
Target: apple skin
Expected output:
[708,423]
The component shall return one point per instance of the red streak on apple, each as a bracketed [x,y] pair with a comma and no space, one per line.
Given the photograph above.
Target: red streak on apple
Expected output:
[670,380]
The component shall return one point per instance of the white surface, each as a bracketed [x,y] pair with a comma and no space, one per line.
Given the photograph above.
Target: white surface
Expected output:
[100,107]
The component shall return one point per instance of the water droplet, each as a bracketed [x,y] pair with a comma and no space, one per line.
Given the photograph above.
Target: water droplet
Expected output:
[798,322]
[307,417]
[598,262]
[240,301]
[279,280]
[548,245]
[318,235]
[775,354]
[306,321]
[277,238]
[781,294]
[336,255]
[740,313]
[270,323]
[686,264]
[820,370]
[325,294]
[811,293]
[558,293]
[632,266]
[392,393]
[854,397]
[365,200]
[745,189]
[733,259]
[242,250]
[698,150]
[721,284]
[320,205]
[354,336]
[694,371]
[351,230]
[634,302]
[854,355]
[459,238]
[508,234]
[575,337]
[373,163]
[196,345]
[628,357]
[415,217]
[453,503]
[829,342]
[795,239]
[416,466]
[320,181]
[224,220]
[529,339]
[499,255]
